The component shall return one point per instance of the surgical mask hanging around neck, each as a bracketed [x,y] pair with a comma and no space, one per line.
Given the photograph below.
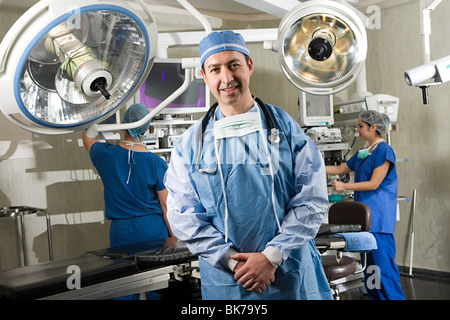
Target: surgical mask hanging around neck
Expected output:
[364,153]
[238,125]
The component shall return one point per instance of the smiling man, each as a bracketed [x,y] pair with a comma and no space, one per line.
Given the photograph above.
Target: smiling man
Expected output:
[247,188]
[227,74]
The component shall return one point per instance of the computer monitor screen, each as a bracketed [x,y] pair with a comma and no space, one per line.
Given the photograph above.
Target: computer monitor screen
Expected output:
[165,77]
[315,110]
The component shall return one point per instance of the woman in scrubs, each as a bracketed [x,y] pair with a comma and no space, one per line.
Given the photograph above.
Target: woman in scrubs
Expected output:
[134,191]
[375,184]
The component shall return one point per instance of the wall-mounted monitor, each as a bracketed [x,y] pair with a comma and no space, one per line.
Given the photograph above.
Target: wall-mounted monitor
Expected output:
[165,77]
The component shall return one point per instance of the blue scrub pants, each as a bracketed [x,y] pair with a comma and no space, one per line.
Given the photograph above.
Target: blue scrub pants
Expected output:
[137,229]
[383,258]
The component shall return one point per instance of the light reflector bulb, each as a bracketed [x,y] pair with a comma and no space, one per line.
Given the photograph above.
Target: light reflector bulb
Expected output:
[321,46]
[82,67]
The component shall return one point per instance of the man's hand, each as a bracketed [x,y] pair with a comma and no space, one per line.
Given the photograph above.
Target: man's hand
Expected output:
[253,271]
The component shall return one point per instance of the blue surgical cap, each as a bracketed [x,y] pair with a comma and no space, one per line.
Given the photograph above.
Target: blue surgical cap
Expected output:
[135,113]
[218,41]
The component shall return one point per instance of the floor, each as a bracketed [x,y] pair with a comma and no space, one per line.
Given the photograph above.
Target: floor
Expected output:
[414,288]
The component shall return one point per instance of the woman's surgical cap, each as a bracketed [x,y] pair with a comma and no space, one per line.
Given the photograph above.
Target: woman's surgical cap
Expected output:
[373,117]
[135,113]
[218,41]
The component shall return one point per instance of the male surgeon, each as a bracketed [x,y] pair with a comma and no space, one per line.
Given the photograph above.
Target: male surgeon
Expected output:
[247,199]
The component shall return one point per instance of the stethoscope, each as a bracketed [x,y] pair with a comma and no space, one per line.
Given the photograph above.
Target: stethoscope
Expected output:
[273,136]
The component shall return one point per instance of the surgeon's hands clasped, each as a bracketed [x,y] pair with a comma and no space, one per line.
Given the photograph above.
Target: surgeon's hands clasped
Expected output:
[253,271]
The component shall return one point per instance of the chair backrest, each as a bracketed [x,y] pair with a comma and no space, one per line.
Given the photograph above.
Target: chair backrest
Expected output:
[350,212]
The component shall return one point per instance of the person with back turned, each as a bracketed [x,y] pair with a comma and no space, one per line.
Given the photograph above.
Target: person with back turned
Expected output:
[133,181]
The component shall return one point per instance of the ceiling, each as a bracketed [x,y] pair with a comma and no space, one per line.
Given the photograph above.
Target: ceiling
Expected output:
[227,6]
[222,9]
[237,10]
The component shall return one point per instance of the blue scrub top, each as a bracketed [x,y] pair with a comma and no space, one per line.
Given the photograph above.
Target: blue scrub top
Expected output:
[383,200]
[138,197]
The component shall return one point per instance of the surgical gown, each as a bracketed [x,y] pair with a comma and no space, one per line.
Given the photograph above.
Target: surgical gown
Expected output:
[196,209]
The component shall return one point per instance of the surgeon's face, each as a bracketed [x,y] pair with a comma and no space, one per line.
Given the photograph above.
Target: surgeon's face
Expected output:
[227,75]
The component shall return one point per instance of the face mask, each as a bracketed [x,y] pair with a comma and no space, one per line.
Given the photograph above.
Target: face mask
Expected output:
[238,125]
[364,153]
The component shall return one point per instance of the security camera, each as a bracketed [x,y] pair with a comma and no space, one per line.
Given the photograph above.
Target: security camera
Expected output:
[439,70]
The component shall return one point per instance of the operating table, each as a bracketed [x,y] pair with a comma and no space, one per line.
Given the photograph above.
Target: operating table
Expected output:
[118,271]
[103,274]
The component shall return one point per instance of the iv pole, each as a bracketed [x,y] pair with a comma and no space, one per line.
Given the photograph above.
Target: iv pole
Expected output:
[413,215]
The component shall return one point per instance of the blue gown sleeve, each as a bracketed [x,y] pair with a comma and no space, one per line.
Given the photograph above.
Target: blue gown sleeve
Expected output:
[187,217]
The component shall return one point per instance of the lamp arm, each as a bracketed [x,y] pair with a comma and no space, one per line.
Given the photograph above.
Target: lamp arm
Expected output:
[426,6]
[146,9]
[189,77]
[196,15]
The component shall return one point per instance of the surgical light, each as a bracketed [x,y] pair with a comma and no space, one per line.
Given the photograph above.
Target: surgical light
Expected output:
[65,64]
[321,46]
